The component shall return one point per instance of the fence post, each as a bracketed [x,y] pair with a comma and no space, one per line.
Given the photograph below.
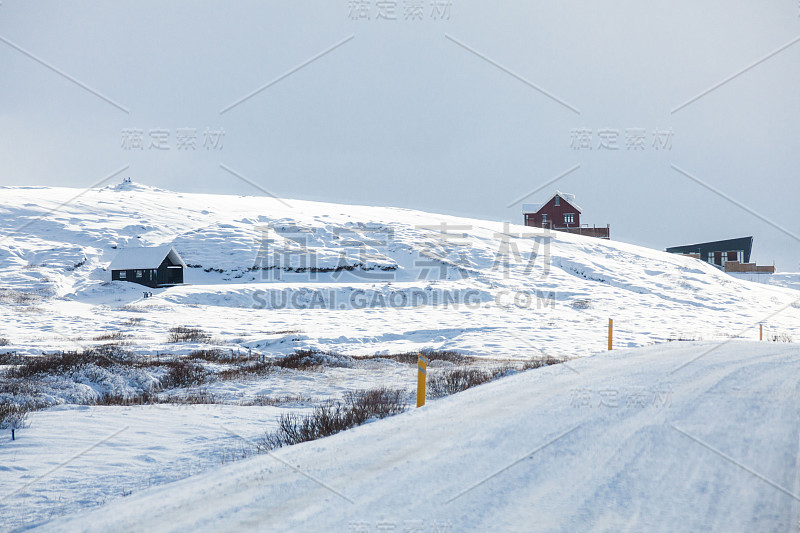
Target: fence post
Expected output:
[610,332]
[761,332]
[422,370]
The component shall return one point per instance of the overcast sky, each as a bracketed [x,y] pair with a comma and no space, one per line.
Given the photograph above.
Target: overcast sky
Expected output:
[463,107]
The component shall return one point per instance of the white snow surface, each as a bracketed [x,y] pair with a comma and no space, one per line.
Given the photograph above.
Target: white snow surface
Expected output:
[388,281]
[519,291]
[781,279]
[678,437]
[144,257]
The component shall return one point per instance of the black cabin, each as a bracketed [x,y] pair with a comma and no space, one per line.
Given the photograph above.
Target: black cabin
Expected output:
[156,266]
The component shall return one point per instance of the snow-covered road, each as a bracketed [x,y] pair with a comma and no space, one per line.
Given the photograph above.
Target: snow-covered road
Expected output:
[632,440]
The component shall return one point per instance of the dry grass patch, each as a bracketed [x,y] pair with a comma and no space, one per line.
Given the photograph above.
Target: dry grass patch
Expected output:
[410,358]
[112,336]
[332,417]
[263,400]
[185,334]
[460,379]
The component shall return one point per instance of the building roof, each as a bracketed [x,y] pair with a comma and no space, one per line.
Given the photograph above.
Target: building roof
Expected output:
[534,208]
[742,243]
[145,257]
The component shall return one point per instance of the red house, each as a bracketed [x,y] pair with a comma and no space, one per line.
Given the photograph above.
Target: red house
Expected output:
[561,213]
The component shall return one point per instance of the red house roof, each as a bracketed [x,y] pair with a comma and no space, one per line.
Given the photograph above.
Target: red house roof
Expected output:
[567,197]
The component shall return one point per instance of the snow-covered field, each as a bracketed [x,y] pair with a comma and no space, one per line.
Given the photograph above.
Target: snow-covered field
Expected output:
[516,290]
[782,279]
[149,445]
[633,440]
[268,277]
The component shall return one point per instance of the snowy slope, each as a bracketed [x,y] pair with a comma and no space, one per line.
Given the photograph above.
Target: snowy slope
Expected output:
[381,277]
[681,437]
[781,279]
[271,276]
[147,446]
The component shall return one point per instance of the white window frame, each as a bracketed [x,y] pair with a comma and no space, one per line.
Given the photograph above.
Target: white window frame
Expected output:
[123,274]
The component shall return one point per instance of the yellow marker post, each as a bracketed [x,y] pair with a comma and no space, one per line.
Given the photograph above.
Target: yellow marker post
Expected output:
[610,332]
[422,370]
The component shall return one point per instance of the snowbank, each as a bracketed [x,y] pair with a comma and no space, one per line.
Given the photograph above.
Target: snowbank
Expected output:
[682,437]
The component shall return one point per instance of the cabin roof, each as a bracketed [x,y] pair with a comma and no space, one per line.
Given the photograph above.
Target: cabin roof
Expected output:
[742,243]
[145,257]
[569,198]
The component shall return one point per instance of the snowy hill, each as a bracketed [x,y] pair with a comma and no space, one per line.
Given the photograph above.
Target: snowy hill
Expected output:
[781,279]
[267,277]
[351,279]
[635,440]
